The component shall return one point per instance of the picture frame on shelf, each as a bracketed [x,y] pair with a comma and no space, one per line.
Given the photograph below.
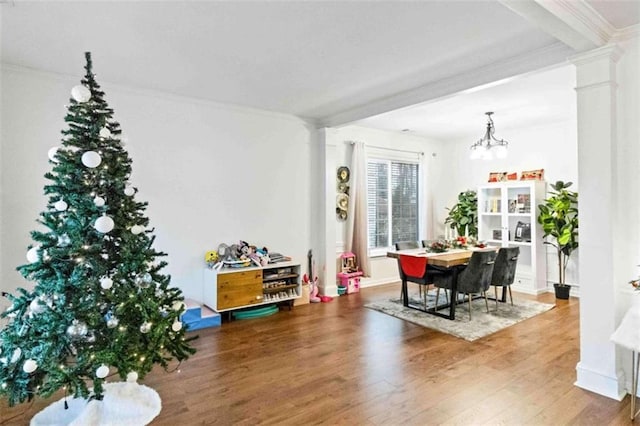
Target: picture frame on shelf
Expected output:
[537,174]
[523,204]
[497,234]
[498,176]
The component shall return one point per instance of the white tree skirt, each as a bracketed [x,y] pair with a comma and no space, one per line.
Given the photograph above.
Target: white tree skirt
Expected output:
[123,404]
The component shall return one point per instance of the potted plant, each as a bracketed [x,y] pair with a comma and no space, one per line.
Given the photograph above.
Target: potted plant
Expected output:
[463,216]
[559,219]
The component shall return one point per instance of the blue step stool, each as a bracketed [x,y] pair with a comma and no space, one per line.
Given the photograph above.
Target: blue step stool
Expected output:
[197,316]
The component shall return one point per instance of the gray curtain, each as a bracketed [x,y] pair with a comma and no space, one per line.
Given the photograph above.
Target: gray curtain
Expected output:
[356,240]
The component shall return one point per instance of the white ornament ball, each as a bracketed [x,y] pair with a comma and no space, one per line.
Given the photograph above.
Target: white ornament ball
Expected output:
[112,322]
[32,255]
[98,201]
[176,326]
[178,305]
[145,327]
[102,371]
[104,224]
[91,159]
[30,366]
[16,355]
[132,377]
[136,229]
[129,191]
[105,133]
[36,307]
[81,93]
[52,154]
[60,205]
[106,283]
[143,280]
[77,329]
[64,240]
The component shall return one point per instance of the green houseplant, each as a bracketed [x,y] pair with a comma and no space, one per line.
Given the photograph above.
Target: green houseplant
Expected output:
[463,216]
[559,219]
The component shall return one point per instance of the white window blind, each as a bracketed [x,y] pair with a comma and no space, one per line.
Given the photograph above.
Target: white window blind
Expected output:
[392,202]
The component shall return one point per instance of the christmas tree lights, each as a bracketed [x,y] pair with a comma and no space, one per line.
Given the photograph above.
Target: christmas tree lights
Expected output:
[100,305]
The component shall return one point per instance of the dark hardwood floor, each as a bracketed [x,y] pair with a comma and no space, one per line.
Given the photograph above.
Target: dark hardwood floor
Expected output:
[340,363]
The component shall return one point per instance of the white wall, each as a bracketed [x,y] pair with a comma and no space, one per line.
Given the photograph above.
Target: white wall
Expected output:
[211,173]
[385,270]
[549,146]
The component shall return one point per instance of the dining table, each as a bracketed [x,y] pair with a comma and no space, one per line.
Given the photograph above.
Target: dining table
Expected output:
[454,260]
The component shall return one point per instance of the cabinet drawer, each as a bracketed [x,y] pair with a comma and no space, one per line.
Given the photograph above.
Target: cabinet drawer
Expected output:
[239,289]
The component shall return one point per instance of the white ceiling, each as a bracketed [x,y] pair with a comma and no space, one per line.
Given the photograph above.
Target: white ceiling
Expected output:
[541,97]
[328,61]
[619,13]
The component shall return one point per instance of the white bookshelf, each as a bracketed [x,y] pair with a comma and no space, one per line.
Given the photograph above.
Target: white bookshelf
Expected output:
[501,207]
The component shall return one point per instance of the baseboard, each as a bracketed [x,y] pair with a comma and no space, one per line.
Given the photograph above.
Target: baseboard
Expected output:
[611,387]
[329,290]
[367,282]
[527,290]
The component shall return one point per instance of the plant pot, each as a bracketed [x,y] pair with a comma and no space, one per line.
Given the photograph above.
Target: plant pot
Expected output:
[562,291]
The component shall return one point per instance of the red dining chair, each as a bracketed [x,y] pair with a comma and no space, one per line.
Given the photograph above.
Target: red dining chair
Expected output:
[405,245]
[414,269]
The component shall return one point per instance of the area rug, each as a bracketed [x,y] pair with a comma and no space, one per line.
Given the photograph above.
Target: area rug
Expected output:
[481,324]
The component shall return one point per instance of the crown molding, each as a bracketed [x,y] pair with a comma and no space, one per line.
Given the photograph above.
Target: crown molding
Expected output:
[153,93]
[583,18]
[573,22]
[611,52]
[626,34]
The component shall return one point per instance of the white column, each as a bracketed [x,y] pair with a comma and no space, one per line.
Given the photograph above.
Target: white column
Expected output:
[599,201]
[325,219]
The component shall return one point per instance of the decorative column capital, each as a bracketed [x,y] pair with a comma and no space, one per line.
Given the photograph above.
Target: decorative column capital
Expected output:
[612,52]
[597,67]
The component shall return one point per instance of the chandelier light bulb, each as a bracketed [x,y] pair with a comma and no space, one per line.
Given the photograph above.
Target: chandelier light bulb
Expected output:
[501,151]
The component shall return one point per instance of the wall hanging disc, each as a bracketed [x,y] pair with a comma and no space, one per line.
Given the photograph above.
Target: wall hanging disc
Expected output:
[343,174]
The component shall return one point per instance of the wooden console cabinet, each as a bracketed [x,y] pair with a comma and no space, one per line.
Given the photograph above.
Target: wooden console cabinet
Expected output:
[236,288]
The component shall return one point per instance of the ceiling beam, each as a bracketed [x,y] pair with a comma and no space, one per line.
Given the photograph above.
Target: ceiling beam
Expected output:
[536,60]
[574,23]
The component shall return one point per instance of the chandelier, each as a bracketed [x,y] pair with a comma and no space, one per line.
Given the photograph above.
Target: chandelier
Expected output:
[486,147]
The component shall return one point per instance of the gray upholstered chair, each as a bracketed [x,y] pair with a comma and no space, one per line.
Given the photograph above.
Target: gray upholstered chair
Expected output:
[475,278]
[504,270]
[406,245]
[427,243]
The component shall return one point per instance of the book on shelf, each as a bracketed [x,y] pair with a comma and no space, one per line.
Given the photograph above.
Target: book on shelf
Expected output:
[492,205]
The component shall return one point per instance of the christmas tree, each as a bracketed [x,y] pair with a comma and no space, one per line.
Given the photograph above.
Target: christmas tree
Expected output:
[100,305]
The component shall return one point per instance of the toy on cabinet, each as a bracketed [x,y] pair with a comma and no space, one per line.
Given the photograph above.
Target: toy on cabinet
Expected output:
[350,275]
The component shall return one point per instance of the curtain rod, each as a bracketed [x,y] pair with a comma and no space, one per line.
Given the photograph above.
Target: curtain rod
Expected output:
[389,149]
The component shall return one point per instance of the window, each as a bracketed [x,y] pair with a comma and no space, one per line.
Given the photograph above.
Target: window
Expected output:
[392,202]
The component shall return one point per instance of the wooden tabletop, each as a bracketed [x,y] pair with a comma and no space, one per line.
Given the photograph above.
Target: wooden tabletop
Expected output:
[447,259]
